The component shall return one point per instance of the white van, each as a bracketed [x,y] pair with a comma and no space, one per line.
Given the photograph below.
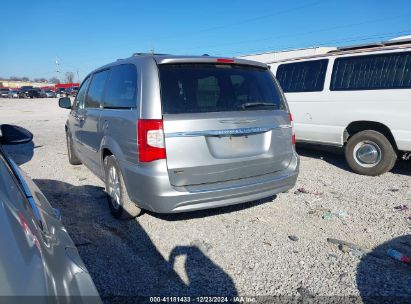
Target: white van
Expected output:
[356,97]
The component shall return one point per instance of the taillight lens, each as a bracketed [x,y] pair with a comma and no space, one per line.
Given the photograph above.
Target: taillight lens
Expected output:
[292,126]
[150,140]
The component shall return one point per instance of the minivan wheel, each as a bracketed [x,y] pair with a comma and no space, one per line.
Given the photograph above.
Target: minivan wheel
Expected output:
[370,153]
[71,152]
[119,202]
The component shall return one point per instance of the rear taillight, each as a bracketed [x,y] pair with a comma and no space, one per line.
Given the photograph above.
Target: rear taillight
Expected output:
[150,140]
[292,126]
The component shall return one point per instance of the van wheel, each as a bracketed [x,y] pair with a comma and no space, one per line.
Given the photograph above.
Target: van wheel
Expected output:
[71,152]
[119,202]
[370,153]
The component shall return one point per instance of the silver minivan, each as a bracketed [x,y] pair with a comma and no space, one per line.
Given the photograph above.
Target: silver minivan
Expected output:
[180,133]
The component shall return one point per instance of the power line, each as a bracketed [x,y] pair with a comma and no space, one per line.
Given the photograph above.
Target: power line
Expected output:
[244,21]
[323,43]
[328,29]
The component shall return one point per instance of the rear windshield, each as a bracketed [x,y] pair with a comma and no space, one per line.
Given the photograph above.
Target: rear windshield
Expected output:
[199,88]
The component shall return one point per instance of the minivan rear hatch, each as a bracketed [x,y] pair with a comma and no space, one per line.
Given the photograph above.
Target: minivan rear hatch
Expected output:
[222,122]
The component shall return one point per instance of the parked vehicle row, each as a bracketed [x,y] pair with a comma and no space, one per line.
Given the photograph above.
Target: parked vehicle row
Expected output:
[32,92]
[27,92]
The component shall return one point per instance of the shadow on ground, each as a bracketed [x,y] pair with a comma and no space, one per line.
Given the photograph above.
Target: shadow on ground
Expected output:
[381,279]
[335,157]
[211,212]
[122,260]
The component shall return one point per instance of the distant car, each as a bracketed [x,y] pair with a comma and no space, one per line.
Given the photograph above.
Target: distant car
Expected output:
[61,92]
[37,256]
[42,93]
[72,91]
[34,93]
[4,92]
[24,91]
[50,94]
[13,94]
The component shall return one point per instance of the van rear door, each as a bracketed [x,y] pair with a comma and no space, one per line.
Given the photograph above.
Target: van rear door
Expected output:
[223,122]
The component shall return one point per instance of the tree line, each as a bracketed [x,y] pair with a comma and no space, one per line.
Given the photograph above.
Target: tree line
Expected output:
[68,78]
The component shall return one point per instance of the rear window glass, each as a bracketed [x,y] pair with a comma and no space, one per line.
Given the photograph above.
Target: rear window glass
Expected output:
[199,88]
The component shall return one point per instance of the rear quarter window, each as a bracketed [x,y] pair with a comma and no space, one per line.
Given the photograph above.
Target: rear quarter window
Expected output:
[96,90]
[121,89]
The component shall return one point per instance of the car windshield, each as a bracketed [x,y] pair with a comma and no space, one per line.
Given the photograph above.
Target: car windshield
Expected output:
[199,88]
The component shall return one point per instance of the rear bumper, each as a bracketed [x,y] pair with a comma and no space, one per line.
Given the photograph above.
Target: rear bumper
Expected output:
[151,189]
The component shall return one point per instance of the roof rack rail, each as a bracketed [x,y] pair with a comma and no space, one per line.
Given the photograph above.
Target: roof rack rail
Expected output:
[397,41]
[356,47]
[148,54]
[372,45]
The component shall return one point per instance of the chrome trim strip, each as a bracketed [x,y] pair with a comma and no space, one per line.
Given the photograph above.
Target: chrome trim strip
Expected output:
[26,190]
[225,132]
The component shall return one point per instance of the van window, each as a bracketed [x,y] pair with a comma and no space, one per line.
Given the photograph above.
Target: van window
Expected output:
[306,76]
[121,87]
[81,95]
[199,88]
[96,90]
[372,72]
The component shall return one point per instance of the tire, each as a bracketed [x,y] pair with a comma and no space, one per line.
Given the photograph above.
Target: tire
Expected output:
[120,204]
[71,152]
[370,153]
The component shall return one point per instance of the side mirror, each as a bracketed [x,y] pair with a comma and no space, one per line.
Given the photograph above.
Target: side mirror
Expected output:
[14,135]
[65,102]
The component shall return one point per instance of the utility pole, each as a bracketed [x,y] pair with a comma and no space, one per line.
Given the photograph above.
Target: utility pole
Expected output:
[57,65]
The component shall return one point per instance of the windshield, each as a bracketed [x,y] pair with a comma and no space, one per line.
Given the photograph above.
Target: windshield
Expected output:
[199,88]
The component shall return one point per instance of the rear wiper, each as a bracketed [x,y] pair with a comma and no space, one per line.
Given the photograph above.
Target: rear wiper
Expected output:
[247,105]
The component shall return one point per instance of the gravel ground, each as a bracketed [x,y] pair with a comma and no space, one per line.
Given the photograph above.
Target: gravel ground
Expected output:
[277,246]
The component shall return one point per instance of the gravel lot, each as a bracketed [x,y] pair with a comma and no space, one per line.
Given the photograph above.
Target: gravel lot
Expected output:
[240,250]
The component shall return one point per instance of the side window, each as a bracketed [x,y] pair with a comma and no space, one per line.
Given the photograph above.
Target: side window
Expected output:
[95,93]
[81,96]
[121,87]
[306,76]
[372,72]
